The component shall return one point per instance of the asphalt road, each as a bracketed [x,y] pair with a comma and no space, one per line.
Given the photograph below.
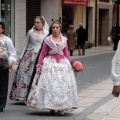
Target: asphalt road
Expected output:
[96,69]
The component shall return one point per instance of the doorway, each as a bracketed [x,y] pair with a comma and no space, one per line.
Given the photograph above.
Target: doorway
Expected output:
[67,17]
[103,31]
[89,24]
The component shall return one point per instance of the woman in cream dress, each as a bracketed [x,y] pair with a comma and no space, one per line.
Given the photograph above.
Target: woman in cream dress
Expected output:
[24,74]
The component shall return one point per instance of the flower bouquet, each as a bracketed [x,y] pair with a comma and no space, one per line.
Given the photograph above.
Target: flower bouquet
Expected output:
[4,61]
[77,67]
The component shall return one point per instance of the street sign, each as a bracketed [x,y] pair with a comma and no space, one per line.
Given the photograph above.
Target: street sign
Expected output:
[75,2]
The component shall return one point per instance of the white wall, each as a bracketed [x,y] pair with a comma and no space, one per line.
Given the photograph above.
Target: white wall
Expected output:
[50,9]
[20,24]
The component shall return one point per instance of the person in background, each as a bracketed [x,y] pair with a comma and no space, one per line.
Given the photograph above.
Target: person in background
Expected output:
[113,35]
[82,36]
[7,58]
[27,61]
[115,72]
[71,34]
[56,88]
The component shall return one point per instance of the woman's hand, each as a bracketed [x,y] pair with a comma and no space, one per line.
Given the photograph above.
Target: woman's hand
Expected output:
[19,60]
[116,91]
[38,70]
[10,65]
[71,62]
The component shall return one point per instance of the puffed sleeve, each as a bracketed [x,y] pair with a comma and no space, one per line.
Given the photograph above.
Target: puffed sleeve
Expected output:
[42,55]
[115,67]
[12,52]
[66,54]
[46,32]
[26,44]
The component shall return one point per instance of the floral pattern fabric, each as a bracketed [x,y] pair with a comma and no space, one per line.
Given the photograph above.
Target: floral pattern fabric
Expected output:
[24,73]
[21,82]
[3,53]
[31,100]
[56,88]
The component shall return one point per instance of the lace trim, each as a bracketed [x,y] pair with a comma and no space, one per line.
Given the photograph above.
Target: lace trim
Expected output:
[38,66]
[56,48]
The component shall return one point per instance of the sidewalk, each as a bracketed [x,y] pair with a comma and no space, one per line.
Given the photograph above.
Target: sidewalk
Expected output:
[97,103]
[94,51]
[94,94]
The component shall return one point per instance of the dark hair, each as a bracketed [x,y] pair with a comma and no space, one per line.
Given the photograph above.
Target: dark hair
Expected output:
[41,19]
[50,30]
[3,26]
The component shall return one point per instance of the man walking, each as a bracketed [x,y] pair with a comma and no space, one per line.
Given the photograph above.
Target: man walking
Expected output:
[82,35]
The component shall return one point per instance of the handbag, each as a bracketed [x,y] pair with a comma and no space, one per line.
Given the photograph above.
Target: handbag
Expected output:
[109,38]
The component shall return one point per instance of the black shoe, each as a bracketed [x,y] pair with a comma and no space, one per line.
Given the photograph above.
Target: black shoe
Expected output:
[61,113]
[1,109]
[52,112]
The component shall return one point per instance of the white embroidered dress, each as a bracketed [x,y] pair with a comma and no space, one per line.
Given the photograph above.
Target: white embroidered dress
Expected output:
[56,87]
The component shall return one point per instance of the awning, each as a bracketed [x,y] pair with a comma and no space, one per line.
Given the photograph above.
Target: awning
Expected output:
[75,2]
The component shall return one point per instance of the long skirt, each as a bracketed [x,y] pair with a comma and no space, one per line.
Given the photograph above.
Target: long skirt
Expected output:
[4,78]
[31,100]
[56,88]
[22,80]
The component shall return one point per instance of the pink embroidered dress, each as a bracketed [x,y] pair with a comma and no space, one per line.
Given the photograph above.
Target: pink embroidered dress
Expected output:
[56,88]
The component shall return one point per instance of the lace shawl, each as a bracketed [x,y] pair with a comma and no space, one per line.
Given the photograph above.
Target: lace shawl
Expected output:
[56,48]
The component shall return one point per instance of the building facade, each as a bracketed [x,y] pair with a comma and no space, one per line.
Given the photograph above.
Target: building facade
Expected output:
[96,16]
[104,21]
[6,11]
[18,16]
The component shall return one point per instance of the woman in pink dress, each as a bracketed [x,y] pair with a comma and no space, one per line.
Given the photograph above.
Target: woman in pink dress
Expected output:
[56,89]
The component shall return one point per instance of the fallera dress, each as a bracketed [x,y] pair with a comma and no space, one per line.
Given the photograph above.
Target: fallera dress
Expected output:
[22,80]
[55,88]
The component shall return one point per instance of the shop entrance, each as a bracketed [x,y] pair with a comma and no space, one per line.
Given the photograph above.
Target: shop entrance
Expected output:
[103,26]
[67,17]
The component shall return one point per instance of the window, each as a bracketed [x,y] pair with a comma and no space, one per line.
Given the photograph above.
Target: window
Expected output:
[6,15]
[32,10]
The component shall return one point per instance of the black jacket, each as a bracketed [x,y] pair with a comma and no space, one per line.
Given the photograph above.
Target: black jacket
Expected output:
[82,35]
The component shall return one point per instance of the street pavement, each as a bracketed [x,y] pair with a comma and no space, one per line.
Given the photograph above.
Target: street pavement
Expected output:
[104,105]
[98,96]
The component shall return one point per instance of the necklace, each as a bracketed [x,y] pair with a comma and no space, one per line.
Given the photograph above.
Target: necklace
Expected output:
[38,29]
